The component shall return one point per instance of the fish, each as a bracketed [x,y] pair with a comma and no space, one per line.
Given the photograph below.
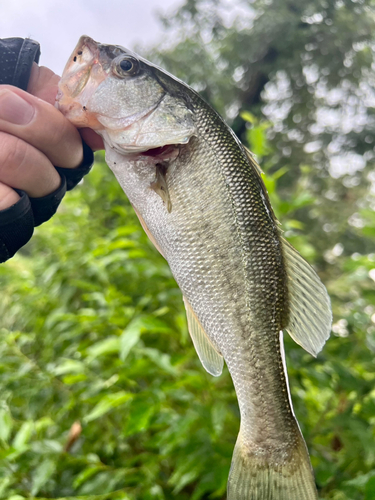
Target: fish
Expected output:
[200,197]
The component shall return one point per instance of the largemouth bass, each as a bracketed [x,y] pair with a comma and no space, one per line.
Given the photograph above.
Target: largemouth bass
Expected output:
[200,197]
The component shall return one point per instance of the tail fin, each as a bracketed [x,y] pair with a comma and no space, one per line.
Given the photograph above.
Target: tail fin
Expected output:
[254,477]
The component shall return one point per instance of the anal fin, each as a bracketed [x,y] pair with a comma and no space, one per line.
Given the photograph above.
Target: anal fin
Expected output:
[210,358]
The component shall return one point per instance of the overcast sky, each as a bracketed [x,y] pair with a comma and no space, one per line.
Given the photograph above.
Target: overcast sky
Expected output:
[57,24]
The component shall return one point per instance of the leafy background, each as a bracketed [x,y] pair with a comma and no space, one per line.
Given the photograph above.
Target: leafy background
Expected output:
[101,393]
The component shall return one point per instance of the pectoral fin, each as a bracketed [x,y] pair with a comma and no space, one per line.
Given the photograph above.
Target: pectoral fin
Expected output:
[160,186]
[211,360]
[310,315]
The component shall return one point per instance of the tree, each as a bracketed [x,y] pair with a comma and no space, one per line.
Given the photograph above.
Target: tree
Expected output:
[307,68]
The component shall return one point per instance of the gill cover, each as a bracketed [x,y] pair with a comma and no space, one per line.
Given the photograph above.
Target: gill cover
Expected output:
[166,122]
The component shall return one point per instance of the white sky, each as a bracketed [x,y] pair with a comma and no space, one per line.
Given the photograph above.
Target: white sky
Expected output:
[57,24]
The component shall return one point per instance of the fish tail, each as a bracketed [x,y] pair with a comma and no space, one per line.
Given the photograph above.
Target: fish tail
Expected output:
[254,476]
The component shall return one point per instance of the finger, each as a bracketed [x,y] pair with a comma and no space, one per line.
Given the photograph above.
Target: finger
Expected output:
[41,125]
[24,167]
[92,139]
[8,196]
[43,83]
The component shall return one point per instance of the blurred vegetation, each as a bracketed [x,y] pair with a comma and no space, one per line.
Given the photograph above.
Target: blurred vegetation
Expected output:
[101,393]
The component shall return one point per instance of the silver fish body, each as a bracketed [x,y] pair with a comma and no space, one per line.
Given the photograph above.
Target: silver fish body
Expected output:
[200,197]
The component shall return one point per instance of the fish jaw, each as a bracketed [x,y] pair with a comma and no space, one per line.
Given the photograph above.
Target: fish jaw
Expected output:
[82,75]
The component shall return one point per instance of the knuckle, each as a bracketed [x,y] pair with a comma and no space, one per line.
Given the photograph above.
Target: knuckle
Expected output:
[13,153]
[65,140]
[57,133]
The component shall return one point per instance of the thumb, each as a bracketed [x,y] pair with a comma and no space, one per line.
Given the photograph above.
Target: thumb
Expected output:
[43,84]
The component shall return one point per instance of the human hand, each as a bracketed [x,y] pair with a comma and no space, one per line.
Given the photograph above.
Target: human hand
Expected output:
[35,137]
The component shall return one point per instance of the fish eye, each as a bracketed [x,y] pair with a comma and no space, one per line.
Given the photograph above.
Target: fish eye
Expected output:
[127,66]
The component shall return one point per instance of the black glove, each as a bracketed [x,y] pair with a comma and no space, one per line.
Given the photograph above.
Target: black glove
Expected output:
[18,221]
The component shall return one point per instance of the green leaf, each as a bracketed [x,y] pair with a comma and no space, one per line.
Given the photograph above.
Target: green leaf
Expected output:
[42,474]
[294,224]
[69,366]
[6,424]
[140,412]
[135,328]
[162,360]
[370,489]
[4,483]
[107,403]
[258,140]
[248,117]
[103,347]
[129,339]
[280,172]
[85,475]
[23,436]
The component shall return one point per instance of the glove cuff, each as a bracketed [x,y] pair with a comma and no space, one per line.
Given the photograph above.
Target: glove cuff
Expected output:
[16,60]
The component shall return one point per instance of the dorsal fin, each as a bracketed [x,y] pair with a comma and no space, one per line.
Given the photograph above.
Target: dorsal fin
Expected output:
[310,315]
[253,162]
[259,172]
[210,358]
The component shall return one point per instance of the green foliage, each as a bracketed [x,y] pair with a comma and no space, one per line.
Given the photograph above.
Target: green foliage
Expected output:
[93,330]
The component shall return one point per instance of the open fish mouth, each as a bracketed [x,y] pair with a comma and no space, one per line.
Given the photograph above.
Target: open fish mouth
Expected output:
[88,59]
[78,68]
[81,76]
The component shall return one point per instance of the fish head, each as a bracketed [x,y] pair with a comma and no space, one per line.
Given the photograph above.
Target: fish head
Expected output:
[134,105]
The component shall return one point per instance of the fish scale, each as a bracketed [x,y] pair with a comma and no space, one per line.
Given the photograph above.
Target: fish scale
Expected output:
[200,197]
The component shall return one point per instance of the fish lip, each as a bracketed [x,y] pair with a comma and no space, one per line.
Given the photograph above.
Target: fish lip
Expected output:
[89,42]
[84,56]
[82,63]
[93,49]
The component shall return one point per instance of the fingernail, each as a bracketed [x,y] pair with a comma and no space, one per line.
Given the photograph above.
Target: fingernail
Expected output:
[14,109]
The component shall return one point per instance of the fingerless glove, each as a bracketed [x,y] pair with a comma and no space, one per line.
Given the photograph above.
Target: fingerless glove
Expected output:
[18,221]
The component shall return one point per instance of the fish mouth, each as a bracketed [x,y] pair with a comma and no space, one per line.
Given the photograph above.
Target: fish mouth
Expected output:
[78,68]
[88,57]
[82,74]
[87,67]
